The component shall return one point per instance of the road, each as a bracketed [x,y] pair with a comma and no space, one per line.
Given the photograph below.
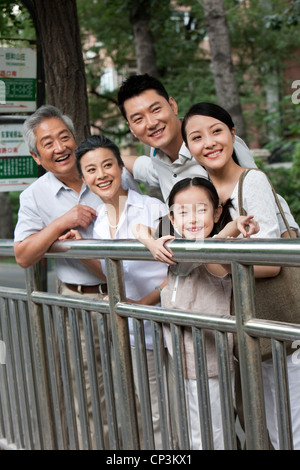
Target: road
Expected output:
[12,275]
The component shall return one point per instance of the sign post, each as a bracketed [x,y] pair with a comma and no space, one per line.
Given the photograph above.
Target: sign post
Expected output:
[17,167]
[17,95]
[18,80]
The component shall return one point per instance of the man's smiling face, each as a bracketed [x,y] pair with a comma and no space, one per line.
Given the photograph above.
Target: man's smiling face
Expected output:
[56,147]
[152,119]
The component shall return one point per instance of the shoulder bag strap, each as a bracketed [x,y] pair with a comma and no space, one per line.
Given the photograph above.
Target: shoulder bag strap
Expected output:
[240,198]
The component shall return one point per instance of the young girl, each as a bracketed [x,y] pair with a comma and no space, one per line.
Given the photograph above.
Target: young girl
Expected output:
[195,213]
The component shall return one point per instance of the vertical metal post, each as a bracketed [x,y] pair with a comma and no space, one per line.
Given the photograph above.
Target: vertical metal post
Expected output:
[40,365]
[225,383]
[121,344]
[203,390]
[180,395]
[282,396]
[249,359]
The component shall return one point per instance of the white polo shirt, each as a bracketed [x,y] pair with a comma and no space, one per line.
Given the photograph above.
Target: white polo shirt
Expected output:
[160,171]
[141,277]
[47,199]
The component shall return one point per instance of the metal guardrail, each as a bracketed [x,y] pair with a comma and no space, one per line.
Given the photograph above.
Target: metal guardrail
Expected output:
[40,409]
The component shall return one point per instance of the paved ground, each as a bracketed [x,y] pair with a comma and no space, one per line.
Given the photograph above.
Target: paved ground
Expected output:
[12,275]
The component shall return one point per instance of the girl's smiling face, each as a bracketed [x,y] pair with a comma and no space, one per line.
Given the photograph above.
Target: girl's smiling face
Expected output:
[102,173]
[210,141]
[193,214]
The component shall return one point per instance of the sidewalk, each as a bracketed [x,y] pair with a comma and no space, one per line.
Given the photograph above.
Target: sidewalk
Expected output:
[12,275]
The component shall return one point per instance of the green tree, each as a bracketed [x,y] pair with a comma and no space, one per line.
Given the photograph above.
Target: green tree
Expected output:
[263,36]
[222,62]
[180,64]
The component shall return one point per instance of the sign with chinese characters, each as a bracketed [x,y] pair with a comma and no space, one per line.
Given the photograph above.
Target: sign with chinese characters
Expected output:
[17,80]
[17,167]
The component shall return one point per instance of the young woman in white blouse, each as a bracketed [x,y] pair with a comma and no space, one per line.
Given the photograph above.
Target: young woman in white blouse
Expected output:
[209,134]
[100,165]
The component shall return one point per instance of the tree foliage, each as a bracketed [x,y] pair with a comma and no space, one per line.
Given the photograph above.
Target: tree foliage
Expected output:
[263,35]
[182,66]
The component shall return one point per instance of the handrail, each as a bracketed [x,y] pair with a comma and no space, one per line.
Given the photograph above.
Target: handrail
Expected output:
[283,251]
[242,253]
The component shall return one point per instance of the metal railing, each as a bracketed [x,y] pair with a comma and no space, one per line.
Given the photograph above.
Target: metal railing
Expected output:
[43,403]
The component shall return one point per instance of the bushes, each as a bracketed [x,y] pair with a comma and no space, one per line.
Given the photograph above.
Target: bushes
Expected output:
[287,182]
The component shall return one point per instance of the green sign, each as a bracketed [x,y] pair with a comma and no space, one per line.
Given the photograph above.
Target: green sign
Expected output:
[17,80]
[22,89]
[17,167]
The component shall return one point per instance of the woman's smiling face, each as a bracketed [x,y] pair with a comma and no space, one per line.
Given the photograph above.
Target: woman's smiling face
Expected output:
[102,173]
[210,141]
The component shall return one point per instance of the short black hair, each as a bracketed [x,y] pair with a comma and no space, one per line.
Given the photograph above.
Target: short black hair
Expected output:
[137,84]
[94,142]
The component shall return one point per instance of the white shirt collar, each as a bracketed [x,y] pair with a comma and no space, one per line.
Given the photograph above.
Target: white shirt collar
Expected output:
[183,152]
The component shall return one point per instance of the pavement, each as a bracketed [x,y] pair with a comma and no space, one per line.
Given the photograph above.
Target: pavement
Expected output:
[12,275]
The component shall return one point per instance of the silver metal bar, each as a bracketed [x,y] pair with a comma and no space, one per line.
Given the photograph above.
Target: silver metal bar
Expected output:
[203,390]
[122,356]
[249,359]
[225,384]
[18,438]
[54,380]
[4,387]
[282,396]
[29,374]
[37,341]
[258,251]
[78,368]
[161,377]
[17,339]
[70,413]
[107,364]
[282,251]
[143,384]
[90,341]
[158,314]
[183,427]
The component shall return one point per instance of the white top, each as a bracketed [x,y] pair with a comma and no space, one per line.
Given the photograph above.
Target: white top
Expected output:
[258,200]
[141,277]
[160,171]
[47,199]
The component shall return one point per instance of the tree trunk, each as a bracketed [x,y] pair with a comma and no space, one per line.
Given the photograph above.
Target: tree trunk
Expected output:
[143,38]
[145,55]
[6,226]
[222,64]
[58,29]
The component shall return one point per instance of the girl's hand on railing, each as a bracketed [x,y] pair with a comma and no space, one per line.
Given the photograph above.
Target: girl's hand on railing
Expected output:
[159,251]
